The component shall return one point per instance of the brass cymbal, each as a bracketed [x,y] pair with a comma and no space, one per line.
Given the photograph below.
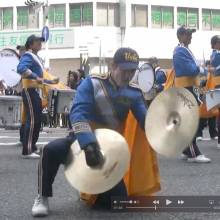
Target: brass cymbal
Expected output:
[172,121]
[98,180]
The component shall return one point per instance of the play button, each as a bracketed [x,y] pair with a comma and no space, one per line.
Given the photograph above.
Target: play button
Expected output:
[168,202]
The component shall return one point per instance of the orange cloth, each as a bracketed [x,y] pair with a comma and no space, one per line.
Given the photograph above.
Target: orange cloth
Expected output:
[142,178]
[216,80]
[23,114]
[170,79]
[186,81]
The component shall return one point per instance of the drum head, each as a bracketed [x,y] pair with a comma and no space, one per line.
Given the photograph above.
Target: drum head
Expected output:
[8,72]
[146,77]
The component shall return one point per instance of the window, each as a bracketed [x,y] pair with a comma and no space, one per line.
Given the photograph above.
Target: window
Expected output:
[26,18]
[6,18]
[139,15]
[206,19]
[193,18]
[57,16]
[81,14]
[215,19]
[188,17]
[210,19]
[87,14]
[162,17]
[108,14]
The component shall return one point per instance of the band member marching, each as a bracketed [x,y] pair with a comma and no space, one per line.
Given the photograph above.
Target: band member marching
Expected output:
[21,51]
[160,74]
[215,62]
[31,69]
[186,75]
[104,101]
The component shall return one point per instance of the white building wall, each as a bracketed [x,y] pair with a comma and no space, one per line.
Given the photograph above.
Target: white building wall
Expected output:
[147,41]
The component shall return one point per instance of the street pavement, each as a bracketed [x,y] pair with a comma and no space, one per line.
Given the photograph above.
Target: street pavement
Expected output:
[18,184]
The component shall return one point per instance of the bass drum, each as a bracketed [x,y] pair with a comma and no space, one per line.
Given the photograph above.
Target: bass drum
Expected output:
[9,61]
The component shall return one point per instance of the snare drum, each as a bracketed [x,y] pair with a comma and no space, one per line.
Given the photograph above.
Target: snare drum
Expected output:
[212,98]
[60,101]
[9,61]
[10,111]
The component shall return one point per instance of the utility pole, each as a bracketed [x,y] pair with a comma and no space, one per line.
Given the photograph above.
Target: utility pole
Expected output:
[37,5]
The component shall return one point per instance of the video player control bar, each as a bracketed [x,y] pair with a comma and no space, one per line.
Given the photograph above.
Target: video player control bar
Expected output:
[167,204]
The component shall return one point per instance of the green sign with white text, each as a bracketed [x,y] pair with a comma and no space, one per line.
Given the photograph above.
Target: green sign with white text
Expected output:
[57,39]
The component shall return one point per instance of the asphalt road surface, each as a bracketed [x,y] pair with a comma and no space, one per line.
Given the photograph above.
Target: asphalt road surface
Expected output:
[18,184]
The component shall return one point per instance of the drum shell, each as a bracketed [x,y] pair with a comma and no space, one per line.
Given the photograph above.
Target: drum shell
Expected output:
[213,99]
[10,112]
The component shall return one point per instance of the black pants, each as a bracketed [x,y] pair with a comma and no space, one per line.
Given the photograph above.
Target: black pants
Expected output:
[33,109]
[212,127]
[54,154]
[22,133]
[211,124]
[193,149]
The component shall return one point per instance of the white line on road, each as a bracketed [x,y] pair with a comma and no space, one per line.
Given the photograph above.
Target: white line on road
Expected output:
[16,143]
[16,137]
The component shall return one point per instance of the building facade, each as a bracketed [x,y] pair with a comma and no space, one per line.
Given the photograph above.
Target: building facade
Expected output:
[90,31]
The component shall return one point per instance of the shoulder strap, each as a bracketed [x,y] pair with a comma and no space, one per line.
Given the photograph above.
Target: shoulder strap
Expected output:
[104,104]
[99,75]
[36,59]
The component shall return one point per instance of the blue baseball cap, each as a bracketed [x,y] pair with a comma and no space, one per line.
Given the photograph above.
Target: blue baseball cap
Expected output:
[184,30]
[215,39]
[30,40]
[126,58]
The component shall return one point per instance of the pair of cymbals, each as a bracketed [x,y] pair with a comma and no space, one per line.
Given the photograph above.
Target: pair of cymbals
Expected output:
[170,125]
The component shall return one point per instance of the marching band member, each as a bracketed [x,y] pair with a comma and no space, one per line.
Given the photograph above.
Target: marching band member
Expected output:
[21,51]
[160,74]
[31,69]
[186,75]
[215,62]
[210,119]
[100,100]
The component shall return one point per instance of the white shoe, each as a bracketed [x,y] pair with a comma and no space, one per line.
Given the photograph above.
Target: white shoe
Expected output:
[40,207]
[183,157]
[199,138]
[31,156]
[199,159]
